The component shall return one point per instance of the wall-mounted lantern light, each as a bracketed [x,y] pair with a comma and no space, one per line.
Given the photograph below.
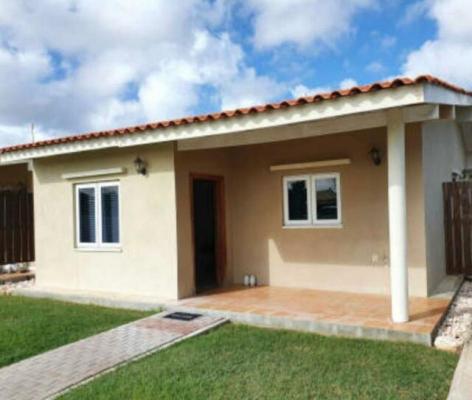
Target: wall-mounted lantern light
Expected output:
[456,176]
[375,156]
[140,166]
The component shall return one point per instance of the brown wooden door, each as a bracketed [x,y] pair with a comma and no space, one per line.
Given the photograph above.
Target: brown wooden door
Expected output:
[208,225]
[16,226]
[458,227]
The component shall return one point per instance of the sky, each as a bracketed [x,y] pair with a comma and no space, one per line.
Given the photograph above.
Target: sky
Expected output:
[73,66]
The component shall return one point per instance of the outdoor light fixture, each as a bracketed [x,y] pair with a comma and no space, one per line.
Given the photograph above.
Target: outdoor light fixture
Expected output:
[456,176]
[140,166]
[375,156]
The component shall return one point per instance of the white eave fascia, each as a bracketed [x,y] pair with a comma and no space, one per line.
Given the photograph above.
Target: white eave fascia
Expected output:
[343,106]
[434,94]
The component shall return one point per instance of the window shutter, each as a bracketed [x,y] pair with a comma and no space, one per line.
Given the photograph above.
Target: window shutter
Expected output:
[110,214]
[87,215]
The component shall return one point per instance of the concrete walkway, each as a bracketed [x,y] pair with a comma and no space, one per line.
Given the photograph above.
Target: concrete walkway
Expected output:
[50,374]
[461,387]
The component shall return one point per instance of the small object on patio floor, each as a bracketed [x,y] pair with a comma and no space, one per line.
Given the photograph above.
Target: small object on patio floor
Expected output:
[246,280]
[183,316]
[456,328]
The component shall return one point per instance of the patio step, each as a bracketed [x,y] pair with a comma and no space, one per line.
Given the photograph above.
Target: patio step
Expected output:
[314,326]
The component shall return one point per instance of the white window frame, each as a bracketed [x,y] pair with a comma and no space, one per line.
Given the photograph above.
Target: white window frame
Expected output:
[317,221]
[298,222]
[98,244]
[312,220]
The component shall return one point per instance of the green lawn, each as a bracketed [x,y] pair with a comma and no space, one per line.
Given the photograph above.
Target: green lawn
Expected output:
[240,362]
[32,326]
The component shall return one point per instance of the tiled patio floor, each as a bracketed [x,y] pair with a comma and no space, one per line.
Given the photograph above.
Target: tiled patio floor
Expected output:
[363,315]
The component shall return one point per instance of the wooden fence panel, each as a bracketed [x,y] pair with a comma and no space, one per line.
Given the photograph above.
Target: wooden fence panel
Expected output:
[458,227]
[2,228]
[16,226]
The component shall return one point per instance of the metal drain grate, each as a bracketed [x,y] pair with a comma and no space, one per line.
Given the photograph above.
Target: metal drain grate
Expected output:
[182,316]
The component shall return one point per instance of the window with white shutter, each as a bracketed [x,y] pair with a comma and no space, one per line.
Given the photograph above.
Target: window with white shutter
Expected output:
[98,214]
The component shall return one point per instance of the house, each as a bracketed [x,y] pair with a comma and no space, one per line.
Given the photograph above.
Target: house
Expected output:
[338,191]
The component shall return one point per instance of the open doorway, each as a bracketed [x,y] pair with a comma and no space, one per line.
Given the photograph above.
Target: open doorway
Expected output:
[208,231]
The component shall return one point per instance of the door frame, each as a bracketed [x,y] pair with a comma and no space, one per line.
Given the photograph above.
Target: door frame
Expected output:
[220,209]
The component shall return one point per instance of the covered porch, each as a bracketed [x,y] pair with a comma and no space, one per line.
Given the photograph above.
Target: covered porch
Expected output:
[319,311]
[362,251]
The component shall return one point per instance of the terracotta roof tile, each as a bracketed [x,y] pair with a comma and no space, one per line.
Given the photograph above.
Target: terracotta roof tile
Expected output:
[242,111]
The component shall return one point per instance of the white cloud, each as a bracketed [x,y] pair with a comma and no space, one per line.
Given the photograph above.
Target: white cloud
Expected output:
[303,91]
[13,134]
[414,11]
[76,65]
[375,67]
[449,56]
[388,41]
[303,22]
[248,90]
[348,83]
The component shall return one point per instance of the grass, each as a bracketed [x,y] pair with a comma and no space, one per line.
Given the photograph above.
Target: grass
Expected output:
[241,362]
[32,326]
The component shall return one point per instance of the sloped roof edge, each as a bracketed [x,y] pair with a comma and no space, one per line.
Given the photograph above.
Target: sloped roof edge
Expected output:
[320,97]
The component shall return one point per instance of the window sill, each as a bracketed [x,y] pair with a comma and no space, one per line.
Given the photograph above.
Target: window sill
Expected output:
[99,249]
[327,226]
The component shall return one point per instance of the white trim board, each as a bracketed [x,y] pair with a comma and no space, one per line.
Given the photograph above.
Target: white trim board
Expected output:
[439,95]
[94,173]
[311,164]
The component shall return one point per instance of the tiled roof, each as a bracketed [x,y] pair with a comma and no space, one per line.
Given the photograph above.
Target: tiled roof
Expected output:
[241,111]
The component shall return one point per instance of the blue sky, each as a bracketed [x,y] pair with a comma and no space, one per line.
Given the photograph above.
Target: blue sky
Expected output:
[70,66]
[376,48]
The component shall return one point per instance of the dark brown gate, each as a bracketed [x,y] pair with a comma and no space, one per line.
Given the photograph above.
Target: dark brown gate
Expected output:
[16,226]
[458,227]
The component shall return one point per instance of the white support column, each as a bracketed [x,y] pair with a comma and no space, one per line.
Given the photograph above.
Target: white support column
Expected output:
[397,215]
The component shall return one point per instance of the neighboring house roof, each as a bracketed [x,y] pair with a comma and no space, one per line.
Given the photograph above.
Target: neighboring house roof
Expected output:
[286,104]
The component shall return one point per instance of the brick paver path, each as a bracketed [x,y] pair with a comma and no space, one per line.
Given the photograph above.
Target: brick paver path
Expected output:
[48,374]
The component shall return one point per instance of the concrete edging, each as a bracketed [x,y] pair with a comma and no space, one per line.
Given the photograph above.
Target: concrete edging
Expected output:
[461,386]
[84,298]
[324,328]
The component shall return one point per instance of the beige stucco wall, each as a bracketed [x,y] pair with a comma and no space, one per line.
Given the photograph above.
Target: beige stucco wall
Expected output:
[156,258]
[207,162]
[443,153]
[352,258]
[147,262]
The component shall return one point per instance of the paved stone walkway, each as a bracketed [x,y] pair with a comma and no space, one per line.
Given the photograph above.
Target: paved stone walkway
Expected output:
[49,374]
